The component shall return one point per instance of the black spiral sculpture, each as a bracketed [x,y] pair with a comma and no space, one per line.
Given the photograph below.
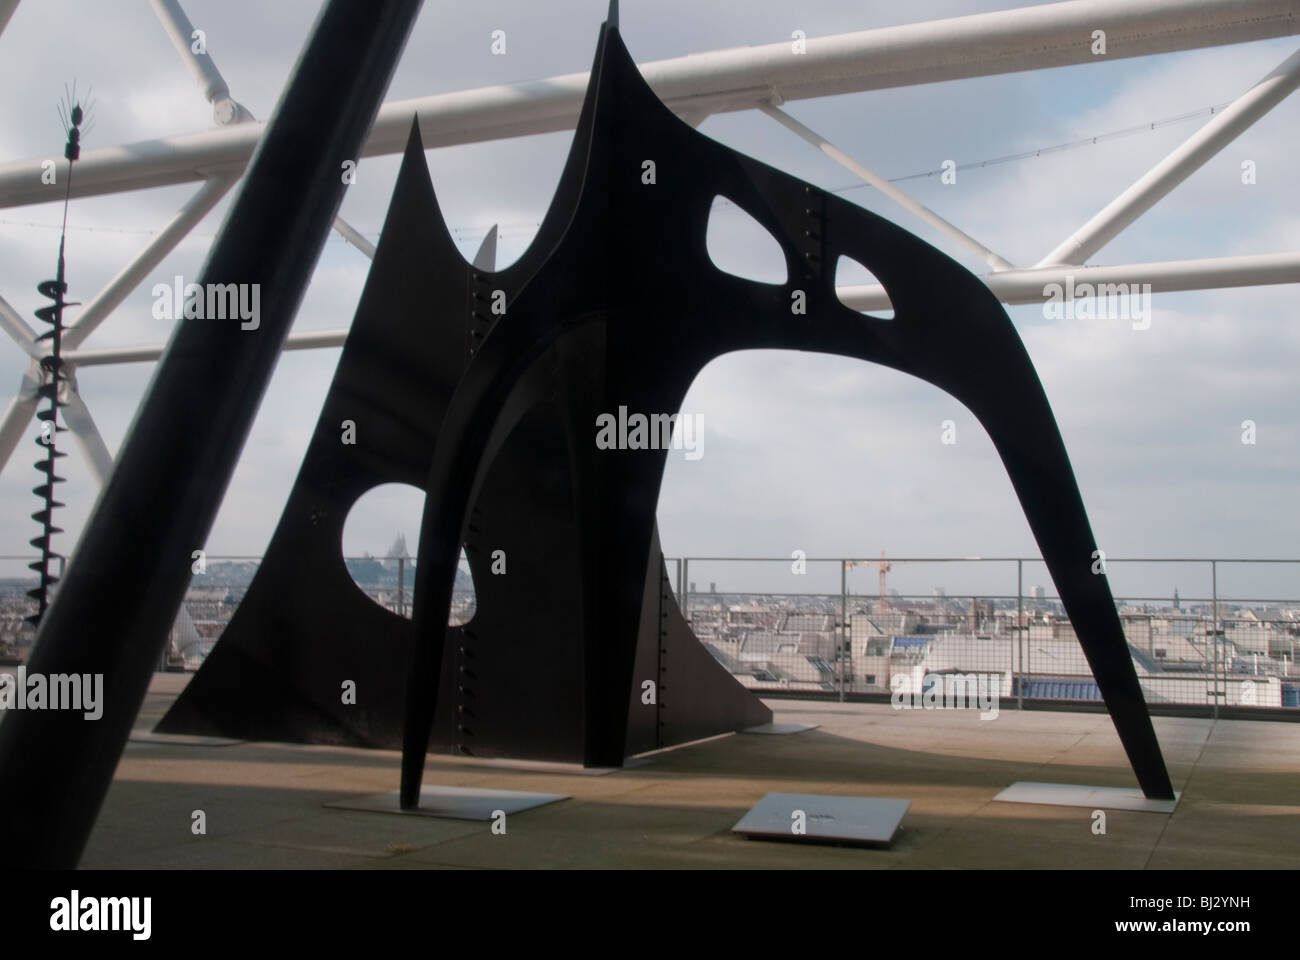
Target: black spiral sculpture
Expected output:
[52,380]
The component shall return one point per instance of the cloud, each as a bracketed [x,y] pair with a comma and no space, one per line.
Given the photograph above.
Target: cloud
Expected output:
[801,451]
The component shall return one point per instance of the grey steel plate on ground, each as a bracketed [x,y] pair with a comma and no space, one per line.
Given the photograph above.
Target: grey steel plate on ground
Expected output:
[1076,795]
[862,821]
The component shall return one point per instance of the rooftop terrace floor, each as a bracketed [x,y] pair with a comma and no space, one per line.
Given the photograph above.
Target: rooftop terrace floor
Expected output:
[264,802]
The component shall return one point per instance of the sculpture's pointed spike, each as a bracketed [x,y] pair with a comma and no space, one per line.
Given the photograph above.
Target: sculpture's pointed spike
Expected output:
[414,175]
[414,142]
[611,20]
[486,258]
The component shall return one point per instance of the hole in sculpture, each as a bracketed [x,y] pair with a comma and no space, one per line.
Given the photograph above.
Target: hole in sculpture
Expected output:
[741,246]
[850,273]
[387,514]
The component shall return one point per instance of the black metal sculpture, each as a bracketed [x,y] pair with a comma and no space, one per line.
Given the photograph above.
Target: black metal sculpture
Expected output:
[511,680]
[624,310]
[628,309]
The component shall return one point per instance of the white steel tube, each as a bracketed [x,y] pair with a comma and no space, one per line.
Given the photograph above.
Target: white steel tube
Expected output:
[1179,165]
[181,33]
[77,416]
[7,8]
[13,324]
[1027,286]
[739,78]
[117,289]
[885,187]
[354,236]
[21,410]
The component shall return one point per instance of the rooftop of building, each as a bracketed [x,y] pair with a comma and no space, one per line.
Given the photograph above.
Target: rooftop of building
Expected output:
[265,802]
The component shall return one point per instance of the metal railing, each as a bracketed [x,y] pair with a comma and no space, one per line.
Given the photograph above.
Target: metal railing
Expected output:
[843,641]
[1207,651]
[216,588]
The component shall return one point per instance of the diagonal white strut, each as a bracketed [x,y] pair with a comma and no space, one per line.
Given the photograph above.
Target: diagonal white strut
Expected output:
[21,410]
[181,32]
[79,421]
[354,236]
[885,187]
[6,11]
[129,277]
[1179,165]
[20,330]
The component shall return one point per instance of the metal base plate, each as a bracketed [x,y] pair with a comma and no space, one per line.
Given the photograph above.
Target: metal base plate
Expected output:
[453,803]
[781,728]
[859,821]
[1075,795]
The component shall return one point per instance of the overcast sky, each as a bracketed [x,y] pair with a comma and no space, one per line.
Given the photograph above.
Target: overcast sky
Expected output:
[831,456]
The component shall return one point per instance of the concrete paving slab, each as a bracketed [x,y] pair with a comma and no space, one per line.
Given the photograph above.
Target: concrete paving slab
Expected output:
[356,833]
[587,836]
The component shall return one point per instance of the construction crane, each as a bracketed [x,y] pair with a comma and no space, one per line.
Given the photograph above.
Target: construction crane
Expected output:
[885,567]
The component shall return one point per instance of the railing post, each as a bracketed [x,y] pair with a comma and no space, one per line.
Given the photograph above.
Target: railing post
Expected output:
[845,638]
[1020,636]
[1214,635]
[686,590]
[401,586]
